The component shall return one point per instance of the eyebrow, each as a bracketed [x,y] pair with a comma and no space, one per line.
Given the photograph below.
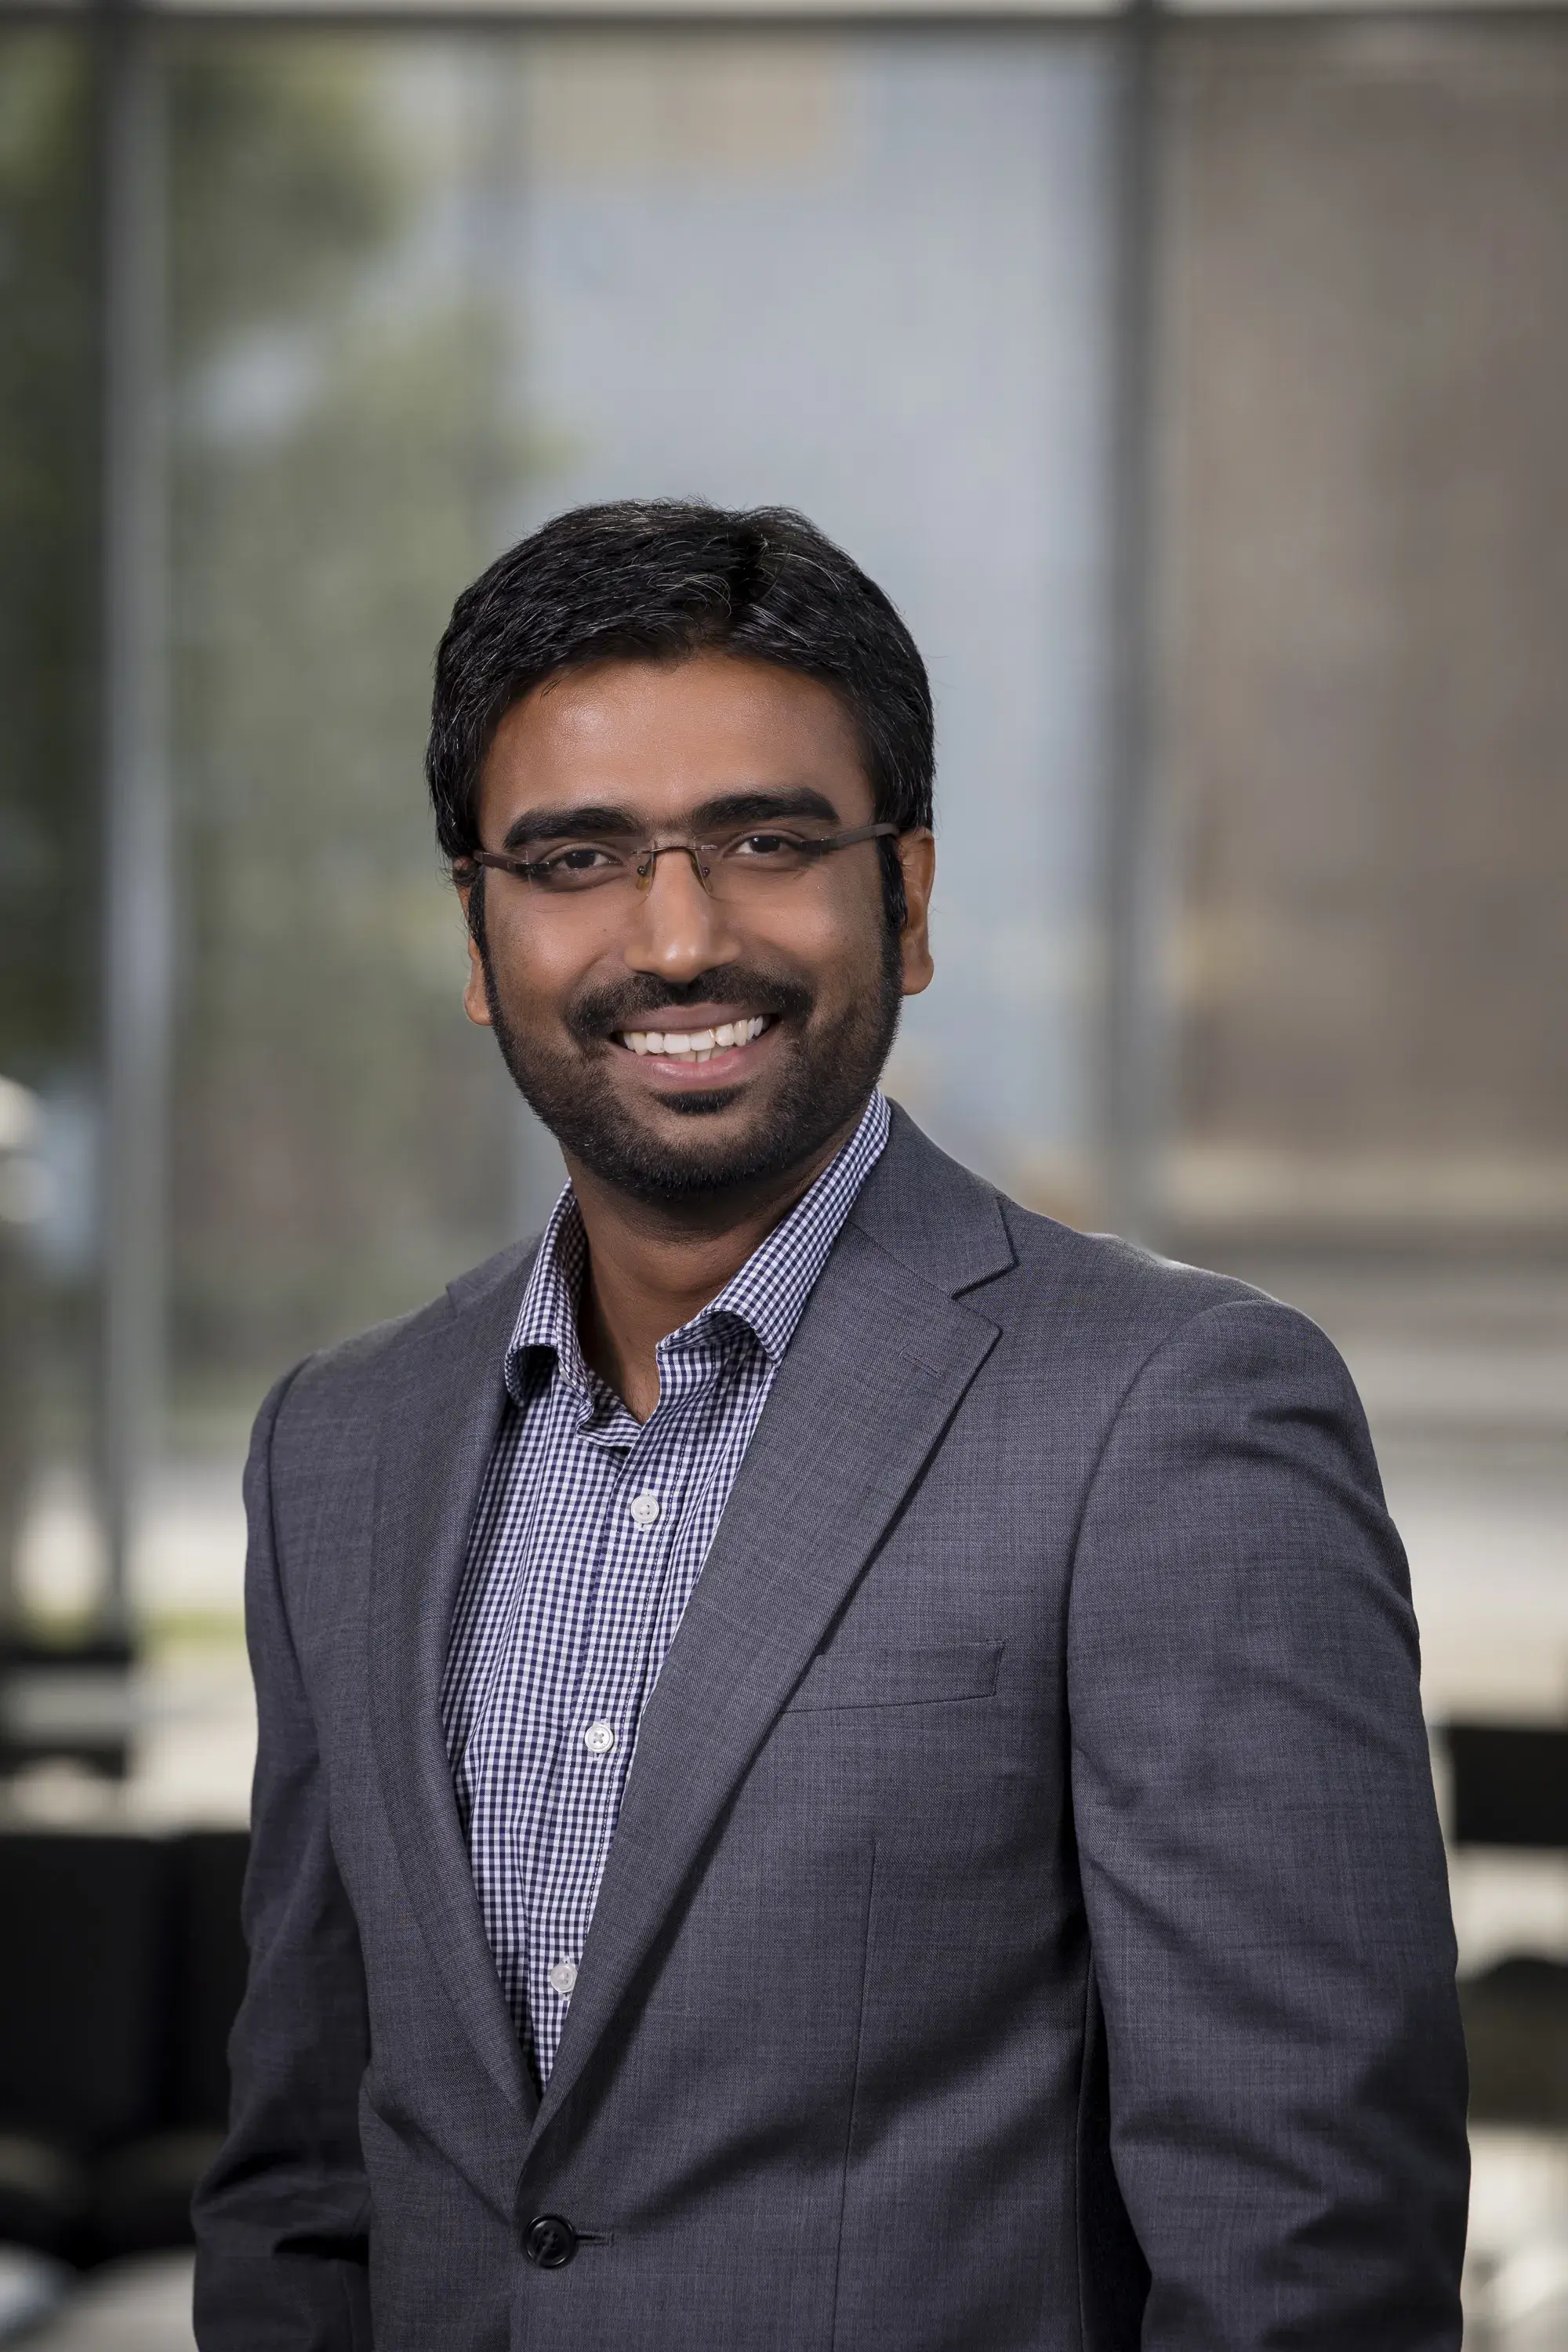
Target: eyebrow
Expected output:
[584,822]
[591,821]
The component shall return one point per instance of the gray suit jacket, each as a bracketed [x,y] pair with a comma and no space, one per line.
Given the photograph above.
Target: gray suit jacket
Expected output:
[1027,1927]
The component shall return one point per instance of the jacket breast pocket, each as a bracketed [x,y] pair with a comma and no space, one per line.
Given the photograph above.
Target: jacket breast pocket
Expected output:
[861,1675]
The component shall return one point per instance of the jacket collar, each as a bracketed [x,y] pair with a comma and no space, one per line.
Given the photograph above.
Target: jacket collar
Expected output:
[437,1425]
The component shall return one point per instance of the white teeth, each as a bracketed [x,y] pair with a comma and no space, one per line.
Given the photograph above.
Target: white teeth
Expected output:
[700,1044]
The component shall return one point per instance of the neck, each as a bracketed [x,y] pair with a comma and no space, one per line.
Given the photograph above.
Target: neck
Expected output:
[652,1267]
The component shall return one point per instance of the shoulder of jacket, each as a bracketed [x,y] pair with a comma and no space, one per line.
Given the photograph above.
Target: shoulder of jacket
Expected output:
[1105,1314]
[1129,1296]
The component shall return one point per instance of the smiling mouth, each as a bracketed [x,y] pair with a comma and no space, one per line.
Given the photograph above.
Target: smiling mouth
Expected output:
[695,1044]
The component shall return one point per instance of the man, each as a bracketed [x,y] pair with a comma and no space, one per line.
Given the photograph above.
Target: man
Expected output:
[840,1764]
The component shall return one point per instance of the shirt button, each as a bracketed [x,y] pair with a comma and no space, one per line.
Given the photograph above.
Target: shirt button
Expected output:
[563,1977]
[645,1508]
[599,1738]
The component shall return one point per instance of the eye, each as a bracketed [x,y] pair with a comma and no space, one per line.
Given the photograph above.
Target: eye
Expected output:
[577,861]
[773,846]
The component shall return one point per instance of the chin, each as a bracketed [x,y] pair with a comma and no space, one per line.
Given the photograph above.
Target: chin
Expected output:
[699,1105]
[650,1163]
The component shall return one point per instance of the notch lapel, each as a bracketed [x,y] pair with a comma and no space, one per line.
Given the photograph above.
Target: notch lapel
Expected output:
[878,1366]
[436,1437]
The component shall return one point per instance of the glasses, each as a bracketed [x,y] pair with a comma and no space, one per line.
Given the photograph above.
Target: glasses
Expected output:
[748,865]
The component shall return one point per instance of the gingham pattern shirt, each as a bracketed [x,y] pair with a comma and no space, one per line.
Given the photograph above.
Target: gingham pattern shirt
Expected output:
[590,1535]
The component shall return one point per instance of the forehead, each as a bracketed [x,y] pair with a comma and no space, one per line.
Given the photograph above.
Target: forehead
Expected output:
[660,738]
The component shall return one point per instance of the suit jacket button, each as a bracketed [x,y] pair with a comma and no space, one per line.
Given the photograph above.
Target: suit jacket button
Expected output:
[549,2241]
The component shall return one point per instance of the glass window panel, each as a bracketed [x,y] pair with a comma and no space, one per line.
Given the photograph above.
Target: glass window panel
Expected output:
[1369,702]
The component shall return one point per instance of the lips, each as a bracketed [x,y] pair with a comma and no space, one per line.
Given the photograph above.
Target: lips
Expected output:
[716,1046]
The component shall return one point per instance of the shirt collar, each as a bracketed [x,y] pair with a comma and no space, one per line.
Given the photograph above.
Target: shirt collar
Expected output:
[768,1294]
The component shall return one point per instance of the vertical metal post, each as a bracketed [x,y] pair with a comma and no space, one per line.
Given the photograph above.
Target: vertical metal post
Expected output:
[135,805]
[495,194]
[1133,1072]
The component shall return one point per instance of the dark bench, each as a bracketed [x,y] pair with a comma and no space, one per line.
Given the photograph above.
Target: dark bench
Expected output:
[122,1966]
[1510,1791]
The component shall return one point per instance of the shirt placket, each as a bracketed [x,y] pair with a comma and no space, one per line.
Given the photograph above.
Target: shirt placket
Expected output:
[644,1513]
[556,1618]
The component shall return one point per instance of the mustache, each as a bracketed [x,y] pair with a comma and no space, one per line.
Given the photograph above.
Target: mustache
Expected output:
[599,1012]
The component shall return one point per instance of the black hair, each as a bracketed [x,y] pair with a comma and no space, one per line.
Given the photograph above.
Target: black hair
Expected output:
[657,580]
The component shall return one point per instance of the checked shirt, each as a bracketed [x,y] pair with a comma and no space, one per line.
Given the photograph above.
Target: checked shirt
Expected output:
[590,1535]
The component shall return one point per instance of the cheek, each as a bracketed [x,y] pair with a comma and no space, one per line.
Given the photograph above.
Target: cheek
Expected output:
[536,965]
[835,939]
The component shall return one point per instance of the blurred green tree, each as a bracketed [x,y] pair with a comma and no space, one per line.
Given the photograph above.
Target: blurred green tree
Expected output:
[340,449]
[342,1142]
[48,514]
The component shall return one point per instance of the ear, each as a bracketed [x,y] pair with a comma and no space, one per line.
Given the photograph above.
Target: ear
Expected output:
[916,855]
[476,995]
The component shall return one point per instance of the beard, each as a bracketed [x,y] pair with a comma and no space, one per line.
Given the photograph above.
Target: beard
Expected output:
[665,1157]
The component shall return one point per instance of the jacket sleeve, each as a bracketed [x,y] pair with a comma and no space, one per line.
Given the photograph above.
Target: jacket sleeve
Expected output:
[1261,1862]
[283,2218]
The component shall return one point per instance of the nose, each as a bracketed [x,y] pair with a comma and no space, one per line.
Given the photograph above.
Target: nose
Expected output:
[679,930]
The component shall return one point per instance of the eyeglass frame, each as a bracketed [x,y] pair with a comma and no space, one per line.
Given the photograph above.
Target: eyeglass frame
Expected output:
[820,845]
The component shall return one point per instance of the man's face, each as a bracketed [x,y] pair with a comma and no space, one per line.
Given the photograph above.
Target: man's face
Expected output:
[626,754]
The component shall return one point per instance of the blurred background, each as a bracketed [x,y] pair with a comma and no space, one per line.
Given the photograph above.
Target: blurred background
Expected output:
[1195,380]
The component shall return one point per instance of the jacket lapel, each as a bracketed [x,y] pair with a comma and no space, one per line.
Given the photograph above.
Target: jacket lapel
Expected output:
[436,1431]
[878,1366]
